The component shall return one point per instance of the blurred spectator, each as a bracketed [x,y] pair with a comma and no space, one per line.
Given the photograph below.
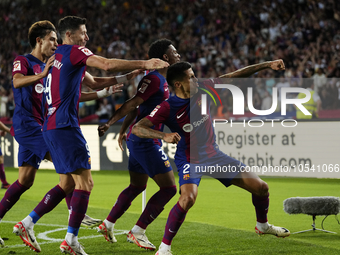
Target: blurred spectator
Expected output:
[283,83]
[3,102]
[319,79]
[266,101]
[313,105]
[105,110]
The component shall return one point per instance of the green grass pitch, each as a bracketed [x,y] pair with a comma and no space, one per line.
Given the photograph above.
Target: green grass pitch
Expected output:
[221,222]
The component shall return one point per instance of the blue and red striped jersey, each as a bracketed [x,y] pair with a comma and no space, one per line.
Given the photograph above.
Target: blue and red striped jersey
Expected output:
[198,141]
[28,112]
[153,89]
[63,86]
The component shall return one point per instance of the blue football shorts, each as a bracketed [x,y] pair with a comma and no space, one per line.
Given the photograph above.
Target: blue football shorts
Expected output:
[68,149]
[221,167]
[32,147]
[147,158]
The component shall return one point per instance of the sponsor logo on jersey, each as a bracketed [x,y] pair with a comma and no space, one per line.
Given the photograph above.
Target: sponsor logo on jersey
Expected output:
[16,66]
[167,163]
[51,110]
[188,128]
[86,51]
[201,121]
[186,177]
[154,111]
[39,88]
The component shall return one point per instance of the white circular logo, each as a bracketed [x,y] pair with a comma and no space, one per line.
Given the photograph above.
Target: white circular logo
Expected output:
[39,88]
[188,128]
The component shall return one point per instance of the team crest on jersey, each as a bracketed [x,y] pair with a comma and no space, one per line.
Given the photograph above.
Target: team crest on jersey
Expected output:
[17,66]
[90,160]
[154,111]
[188,128]
[86,51]
[186,177]
[167,163]
[39,88]
[199,102]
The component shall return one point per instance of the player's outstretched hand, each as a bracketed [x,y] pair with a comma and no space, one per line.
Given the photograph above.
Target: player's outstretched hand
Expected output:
[277,65]
[102,129]
[134,74]
[2,133]
[121,137]
[48,65]
[172,138]
[155,63]
[115,89]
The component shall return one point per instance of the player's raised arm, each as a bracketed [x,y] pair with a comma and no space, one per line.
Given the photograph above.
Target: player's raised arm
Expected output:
[20,80]
[249,70]
[143,130]
[120,65]
[126,108]
[126,123]
[103,82]
[88,96]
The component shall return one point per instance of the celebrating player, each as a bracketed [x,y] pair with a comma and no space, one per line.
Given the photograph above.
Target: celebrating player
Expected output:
[28,117]
[28,74]
[152,90]
[196,148]
[71,156]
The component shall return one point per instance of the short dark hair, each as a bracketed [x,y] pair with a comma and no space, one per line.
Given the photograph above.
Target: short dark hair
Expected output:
[158,48]
[176,72]
[39,29]
[71,23]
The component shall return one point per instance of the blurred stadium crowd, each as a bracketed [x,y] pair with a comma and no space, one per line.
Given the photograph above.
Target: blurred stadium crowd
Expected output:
[217,37]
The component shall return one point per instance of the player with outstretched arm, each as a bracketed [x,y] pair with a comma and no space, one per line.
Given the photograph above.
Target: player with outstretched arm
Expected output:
[61,131]
[196,146]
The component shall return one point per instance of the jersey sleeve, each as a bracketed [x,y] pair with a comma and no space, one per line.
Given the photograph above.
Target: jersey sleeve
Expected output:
[20,65]
[79,55]
[160,114]
[210,83]
[148,86]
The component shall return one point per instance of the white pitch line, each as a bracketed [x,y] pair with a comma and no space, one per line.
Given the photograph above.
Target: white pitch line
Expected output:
[49,240]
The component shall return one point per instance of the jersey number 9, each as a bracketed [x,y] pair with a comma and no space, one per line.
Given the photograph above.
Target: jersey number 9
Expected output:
[48,89]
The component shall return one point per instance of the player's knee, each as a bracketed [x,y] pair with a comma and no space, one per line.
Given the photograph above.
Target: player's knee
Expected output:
[263,189]
[188,201]
[28,183]
[67,187]
[170,191]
